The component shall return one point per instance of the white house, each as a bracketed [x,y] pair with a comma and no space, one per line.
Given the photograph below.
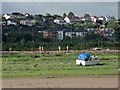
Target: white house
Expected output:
[101,18]
[6,16]
[11,23]
[107,18]
[75,33]
[60,35]
[67,19]
[72,20]
[79,34]
[27,14]
[94,19]
[68,33]
[28,22]
[83,18]
[57,21]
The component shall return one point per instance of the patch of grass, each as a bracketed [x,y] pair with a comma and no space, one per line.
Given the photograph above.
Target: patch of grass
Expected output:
[45,65]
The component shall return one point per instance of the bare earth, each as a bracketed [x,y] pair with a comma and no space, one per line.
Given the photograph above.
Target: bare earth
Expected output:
[77,82]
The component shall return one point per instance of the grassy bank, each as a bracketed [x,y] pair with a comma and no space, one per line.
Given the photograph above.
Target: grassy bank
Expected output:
[56,65]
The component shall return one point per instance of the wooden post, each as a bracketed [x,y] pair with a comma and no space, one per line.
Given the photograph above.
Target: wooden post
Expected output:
[10,49]
[42,49]
[67,48]
[59,48]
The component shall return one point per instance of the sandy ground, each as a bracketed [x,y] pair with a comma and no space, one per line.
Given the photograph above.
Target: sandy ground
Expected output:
[77,82]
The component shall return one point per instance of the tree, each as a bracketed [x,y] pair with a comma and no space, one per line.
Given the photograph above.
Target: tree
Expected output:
[112,24]
[48,14]
[56,16]
[70,14]
[39,18]
[64,15]
[87,16]
[94,37]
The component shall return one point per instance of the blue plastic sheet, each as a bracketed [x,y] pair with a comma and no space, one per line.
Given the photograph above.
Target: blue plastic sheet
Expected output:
[84,56]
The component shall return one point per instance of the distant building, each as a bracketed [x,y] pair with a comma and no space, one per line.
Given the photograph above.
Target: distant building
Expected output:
[6,16]
[60,33]
[83,18]
[54,32]
[94,19]
[67,19]
[75,33]
[59,21]
[48,19]
[72,20]
[28,22]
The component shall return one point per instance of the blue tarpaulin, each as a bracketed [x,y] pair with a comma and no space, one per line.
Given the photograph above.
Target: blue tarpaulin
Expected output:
[84,56]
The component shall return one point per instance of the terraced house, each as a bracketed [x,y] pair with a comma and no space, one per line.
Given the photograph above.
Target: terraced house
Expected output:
[60,33]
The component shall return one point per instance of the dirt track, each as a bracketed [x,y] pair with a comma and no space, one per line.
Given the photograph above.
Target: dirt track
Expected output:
[78,82]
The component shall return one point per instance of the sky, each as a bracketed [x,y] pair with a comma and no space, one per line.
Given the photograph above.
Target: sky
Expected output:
[93,7]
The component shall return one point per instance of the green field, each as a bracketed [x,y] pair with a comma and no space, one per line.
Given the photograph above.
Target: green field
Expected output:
[56,65]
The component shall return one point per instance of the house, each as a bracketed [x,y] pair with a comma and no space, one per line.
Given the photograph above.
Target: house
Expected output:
[54,32]
[83,19]
[67,20]
[102,19]
[60,33]
[109,35]
[27,14]
[59,21]
[49,34]
[74,33]
[75,19]
[109,18]
[28,22]
[17,15]
[10,22]
[68,32]
[48,19]
[94,19]
[72,20]
[6,16]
